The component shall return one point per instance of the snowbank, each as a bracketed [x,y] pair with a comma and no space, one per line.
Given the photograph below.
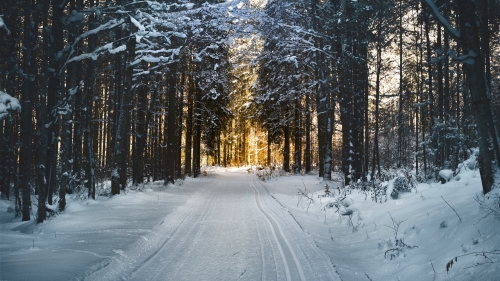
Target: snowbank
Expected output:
[411,238]
[446,175]
[86,236]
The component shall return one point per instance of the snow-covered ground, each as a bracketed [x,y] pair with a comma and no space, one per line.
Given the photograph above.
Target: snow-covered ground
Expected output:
[223,226]
[86,236]
[434,234]
[226,226]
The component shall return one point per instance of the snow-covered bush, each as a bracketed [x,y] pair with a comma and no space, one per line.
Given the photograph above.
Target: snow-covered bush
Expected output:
[379,191]
[400,184]
[391,182]
[403,182]
[471,163]
[266,173]
[445,175]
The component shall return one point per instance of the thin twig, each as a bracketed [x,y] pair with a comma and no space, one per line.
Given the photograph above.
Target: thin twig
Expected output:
[459,218]
[304,194]
[395,226]
[482,254]
[305,187]
[487,209]
[393,249]
[433,267]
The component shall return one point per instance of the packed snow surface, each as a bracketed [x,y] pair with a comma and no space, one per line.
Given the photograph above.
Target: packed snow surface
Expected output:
[228,225]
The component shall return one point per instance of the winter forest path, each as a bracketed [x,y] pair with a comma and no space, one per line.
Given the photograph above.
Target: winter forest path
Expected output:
[232,229]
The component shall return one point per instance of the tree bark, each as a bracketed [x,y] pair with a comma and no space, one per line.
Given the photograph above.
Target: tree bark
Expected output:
[286,149]
[189,125]
[141,131]
[475,76]
[53,95]
[376,153]
[172,125]
[180,114]
[468,39]
[197,133]
[297,143]
[8,161]
[307,155]
[29,90]
[121,151]
[87,102]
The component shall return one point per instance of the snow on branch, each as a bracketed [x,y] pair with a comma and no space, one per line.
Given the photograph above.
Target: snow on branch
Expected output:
[453,32]
[8,104]
[137,24]
[94,55]
[3,26]
[109,25]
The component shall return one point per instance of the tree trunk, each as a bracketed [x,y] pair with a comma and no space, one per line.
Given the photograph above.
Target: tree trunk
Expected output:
[346,117]
[141,131]
[189,126]
[172,125]
[376,154]
[119,174]
[42,179]
[400,111]
[87,103]
[297,142]
[321,116]
[178,144]
[475,76]
[7,157]
[430,93]
[286,149]
[269,141]
[307,155]
[484,34]
[446,97]
[440,90]
[53,95]
[360,76]
[77,115]
[468,39]
[29,91]
[197,133]
[366,99]
[8,162]
[43,124]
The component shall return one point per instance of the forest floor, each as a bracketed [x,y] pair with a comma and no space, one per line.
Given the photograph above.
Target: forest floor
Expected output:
[228,225]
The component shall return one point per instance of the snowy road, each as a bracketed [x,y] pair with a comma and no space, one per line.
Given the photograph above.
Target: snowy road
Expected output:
[232,229]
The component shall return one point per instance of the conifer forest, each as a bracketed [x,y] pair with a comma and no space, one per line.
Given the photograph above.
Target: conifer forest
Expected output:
[133,91]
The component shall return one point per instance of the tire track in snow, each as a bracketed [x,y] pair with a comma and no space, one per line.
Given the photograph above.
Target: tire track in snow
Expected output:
[281,241]
[123,268]
[195,230]
[209,204]
[263,275]
[306,245]
[168,250]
